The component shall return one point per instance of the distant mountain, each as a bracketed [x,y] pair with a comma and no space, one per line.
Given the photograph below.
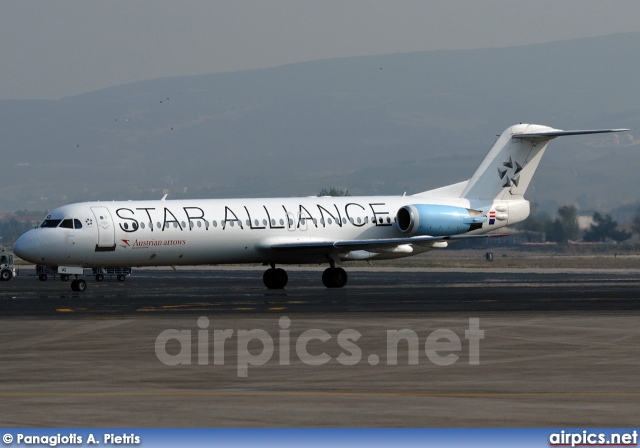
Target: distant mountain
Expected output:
[375,124]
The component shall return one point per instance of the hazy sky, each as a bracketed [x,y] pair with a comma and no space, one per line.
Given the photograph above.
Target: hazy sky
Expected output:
[51,49]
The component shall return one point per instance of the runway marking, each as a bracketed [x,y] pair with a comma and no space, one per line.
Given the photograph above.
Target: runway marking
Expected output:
[326,393]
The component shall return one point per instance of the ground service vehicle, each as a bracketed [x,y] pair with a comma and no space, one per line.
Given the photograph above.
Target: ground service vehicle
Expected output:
[7,270]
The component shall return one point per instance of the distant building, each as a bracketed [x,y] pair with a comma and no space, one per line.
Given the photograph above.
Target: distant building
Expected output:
[584,222]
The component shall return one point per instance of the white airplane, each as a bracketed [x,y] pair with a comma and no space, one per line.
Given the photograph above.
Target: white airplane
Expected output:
[293,230]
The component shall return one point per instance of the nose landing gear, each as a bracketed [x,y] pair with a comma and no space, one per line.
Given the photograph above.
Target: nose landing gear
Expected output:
[78,285]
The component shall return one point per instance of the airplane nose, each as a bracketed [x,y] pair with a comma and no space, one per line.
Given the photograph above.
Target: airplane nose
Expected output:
[27,247]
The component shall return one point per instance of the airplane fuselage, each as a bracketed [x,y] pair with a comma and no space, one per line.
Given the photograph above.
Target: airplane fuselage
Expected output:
[217,231]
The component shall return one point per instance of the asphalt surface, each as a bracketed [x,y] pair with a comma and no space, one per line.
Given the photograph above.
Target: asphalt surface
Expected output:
[373,291]
[215,348]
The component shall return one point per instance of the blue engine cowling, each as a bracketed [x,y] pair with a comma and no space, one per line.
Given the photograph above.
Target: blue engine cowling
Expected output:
[438,220]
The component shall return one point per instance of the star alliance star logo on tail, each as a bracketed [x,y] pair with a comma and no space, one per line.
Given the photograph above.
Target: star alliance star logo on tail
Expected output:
[514,179]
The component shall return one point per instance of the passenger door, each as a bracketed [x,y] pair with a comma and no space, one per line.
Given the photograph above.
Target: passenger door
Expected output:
[106,228]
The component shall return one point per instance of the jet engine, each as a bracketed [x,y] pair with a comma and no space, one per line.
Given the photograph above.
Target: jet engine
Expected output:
[437,220]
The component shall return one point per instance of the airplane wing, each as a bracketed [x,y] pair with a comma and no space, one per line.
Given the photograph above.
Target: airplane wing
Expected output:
[370,244]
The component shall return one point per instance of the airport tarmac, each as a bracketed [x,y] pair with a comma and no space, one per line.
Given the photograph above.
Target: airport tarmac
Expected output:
[481,348]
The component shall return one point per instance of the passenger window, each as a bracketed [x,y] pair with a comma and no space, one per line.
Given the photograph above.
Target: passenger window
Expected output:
[67,224]
[77,224]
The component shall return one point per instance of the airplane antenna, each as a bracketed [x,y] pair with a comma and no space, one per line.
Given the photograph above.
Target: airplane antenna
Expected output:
[164,197]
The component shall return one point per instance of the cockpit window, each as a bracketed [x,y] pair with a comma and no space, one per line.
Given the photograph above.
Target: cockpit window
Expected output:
[67,224]
[50,223]
[62,223]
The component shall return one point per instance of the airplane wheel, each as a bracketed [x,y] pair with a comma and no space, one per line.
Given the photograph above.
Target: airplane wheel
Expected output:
[78,285]
[275,278]
[121,277]
[64,277]
[99,277]
[334,277]
[5,275]
[326,278]
[42,277]
[267,278]
[281,278]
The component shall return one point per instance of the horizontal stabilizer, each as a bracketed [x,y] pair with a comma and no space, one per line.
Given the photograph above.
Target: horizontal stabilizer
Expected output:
[553,133]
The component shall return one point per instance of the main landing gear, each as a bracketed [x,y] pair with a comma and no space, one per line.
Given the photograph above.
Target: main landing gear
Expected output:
[334,277]
[276,278]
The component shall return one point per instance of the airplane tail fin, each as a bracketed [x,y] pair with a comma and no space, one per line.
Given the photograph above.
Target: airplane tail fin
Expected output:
[507,170]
